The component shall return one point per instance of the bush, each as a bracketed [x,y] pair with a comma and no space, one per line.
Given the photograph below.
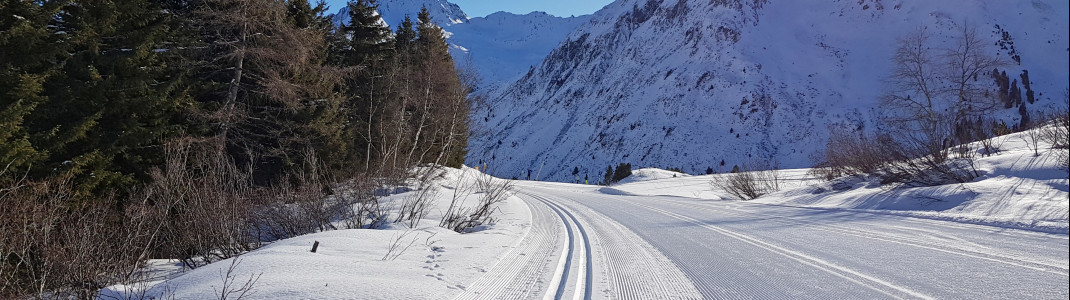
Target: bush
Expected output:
[911,158]
[749,185]
[1056,132]
[853,154]
[491,191]
[53,247]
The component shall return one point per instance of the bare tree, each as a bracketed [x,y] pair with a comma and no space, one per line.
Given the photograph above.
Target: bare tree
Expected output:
[934,90]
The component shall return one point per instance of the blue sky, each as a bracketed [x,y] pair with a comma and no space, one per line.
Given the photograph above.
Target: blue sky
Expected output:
[481,8]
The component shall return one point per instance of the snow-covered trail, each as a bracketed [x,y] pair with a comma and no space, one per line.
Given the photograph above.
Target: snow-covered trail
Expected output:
[730,249]
[573,252]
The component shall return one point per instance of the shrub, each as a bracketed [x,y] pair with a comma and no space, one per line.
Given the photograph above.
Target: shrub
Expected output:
[748,185]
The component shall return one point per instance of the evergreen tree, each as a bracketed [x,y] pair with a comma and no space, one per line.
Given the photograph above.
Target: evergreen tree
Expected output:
[369,37]
[609,176]
[406,36]
[1015,93]
[439,107]
[28,50]
[272,98]
[368,49]
[623,171]
[112,99]
[1029,95]
[1026,123]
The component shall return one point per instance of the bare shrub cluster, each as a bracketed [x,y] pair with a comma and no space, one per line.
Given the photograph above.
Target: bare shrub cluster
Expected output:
[933,112]
[750,183]
[490,192]
[54,247]
[910,159]
[209,204]
[199,208]
[1056,131]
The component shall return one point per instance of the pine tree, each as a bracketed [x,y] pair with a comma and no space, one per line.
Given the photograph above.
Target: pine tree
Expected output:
[27,52]
[623,171]
[1026,123]
[370,40]
[444,104]
[1015,93]
[112,99]
[1029,95]
[609,176]
[369,104]
[267,90]
[405,38]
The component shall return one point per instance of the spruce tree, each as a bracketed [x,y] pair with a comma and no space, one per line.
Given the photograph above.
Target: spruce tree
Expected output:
[441,120]
[370,38]
[28,50]
[1015,93]
[405,38]
[266,90]
[112,99]
[368,49]
[609,176]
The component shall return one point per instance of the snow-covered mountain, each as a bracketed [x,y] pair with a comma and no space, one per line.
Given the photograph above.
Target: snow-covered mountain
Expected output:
[692,83]
[394,11]
[501,46]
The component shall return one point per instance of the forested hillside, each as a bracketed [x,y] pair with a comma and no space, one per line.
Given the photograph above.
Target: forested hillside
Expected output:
[135,129]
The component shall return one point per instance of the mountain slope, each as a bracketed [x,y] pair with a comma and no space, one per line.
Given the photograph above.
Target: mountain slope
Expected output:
[500,47]
[687,83]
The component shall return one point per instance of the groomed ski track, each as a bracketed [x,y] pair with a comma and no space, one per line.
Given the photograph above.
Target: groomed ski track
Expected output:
[584,244]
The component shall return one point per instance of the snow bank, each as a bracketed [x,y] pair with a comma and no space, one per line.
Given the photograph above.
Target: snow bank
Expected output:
[1017,189]
[651,174]
[426,261]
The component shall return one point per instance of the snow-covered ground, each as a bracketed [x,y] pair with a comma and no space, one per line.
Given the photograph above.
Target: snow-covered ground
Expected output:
[1017,189]
[427,261]
[656,236]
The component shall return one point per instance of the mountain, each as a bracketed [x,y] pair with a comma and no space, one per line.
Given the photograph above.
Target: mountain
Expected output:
[500,47]
[503,46]
[394,11]
[692,83]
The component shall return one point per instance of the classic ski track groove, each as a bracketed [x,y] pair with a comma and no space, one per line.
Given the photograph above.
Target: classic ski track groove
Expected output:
[831,268]
[520,272]
[994,257]
[639,271]
[584,269]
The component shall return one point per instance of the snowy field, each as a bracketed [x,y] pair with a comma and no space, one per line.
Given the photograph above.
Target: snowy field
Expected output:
[665,235]
[1016,190]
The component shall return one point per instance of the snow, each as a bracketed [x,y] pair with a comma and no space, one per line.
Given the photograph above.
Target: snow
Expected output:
[430,262]
[678,89]
[648,174]
[500,47]
[1016,190]
[656,236]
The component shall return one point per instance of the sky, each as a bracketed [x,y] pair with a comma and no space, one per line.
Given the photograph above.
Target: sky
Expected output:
[482,8]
